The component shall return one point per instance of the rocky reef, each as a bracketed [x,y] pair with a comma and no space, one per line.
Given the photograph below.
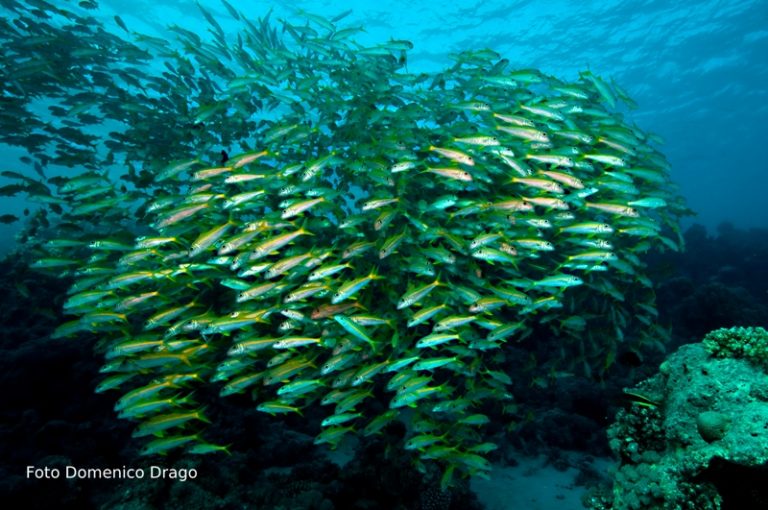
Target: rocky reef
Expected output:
[695,436]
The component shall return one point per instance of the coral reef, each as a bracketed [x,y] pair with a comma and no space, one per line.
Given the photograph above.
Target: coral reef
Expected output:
[695,436]
[750,343]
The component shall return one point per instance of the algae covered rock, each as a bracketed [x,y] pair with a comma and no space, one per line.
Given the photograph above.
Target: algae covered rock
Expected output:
[694,436]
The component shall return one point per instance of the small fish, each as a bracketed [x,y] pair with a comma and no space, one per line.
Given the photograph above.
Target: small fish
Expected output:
[154,426]
[435,363]
[244,159]
[391,243]
[286,264]
[240,384]
[296,209]
[618,209]
[121,24]
[452,321]
[452,173]
[435,339]
[349,289]
[543,112]
[484,141]
[276,407]
[606,159]
[177,215]
[422,441]
[326,271]
[649,202]
[366,373]
[294,342]
[354,329]
[558,281]
[587,228]
[206,448]
[208,239]
[273,244]
[300,387]
[454,155]
[379,203]
[526,133]
[163,445]
[339,419]
[410,298]
[332,436]
[306,291]
[552,159]
[424,315]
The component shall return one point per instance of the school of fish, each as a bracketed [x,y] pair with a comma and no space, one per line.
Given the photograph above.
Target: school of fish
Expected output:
[300,219]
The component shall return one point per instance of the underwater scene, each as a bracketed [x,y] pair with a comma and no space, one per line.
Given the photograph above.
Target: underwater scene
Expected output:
[350,255]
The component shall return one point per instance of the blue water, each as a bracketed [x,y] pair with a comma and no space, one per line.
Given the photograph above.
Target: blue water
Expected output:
[698,70]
